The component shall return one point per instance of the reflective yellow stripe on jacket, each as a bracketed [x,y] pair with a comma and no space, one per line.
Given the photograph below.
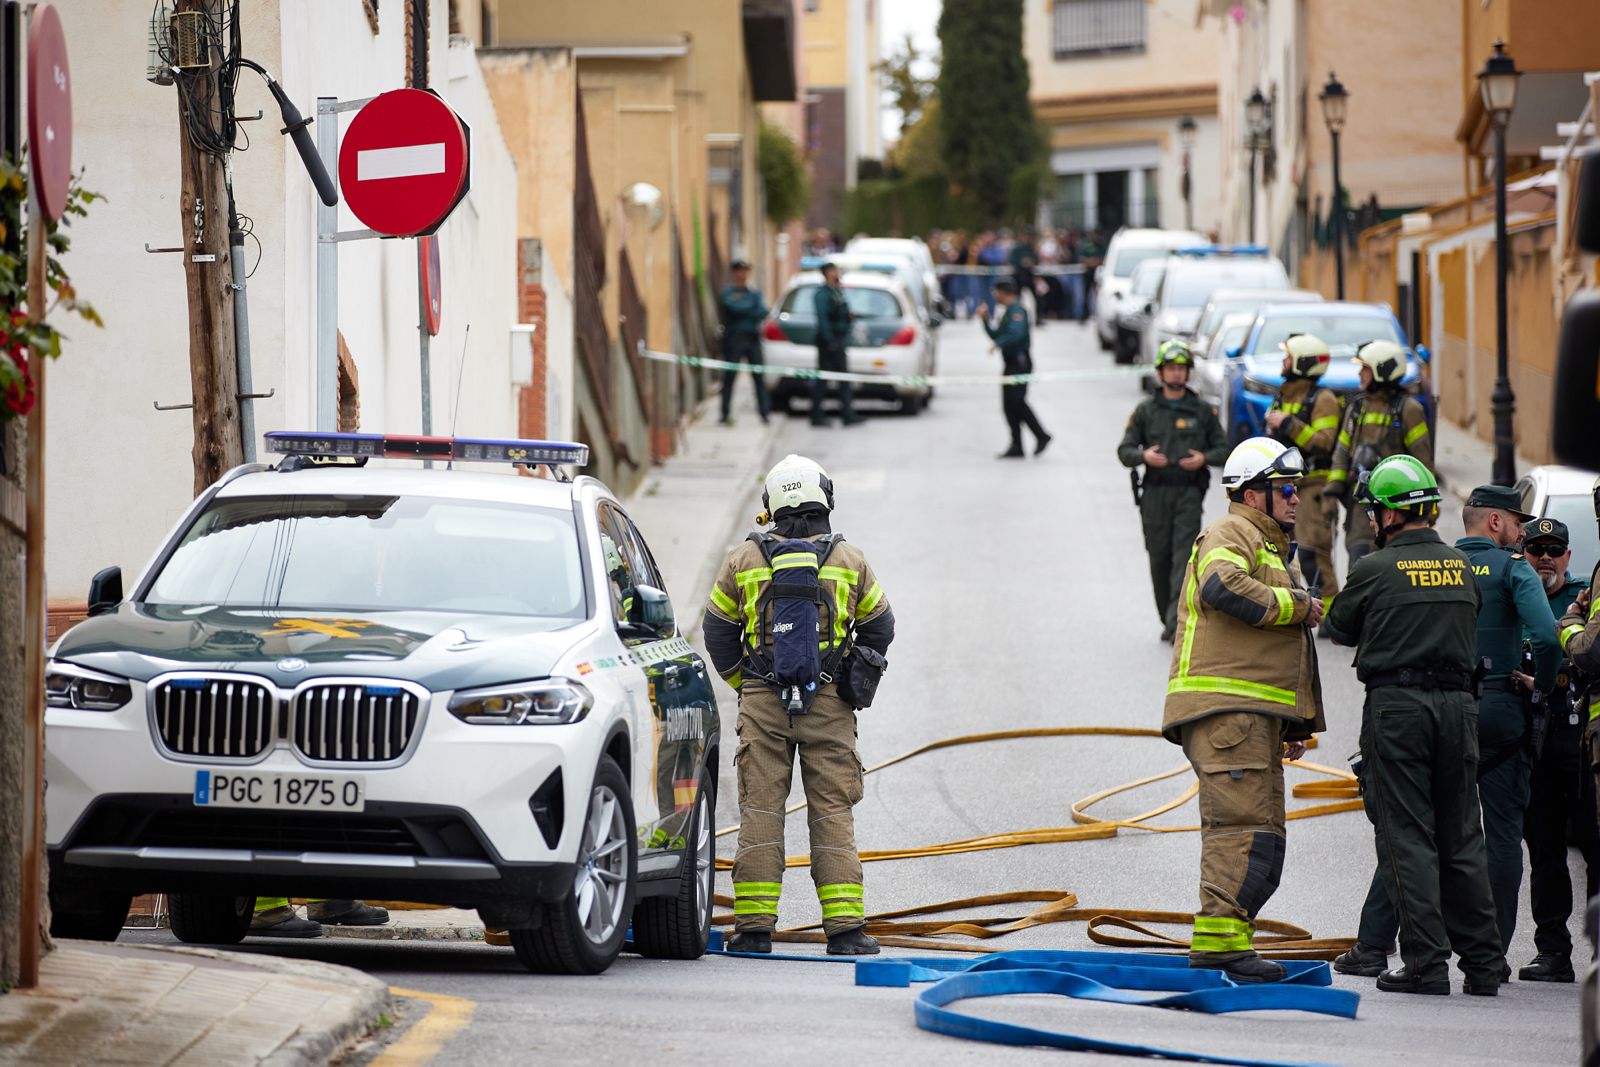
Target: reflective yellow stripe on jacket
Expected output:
[1183,681]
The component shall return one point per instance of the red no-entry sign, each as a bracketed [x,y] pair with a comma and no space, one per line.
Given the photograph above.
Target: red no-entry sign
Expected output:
[403,163]
[432,281]
[49,110]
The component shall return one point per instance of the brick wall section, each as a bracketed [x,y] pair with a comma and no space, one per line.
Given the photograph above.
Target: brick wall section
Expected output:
[349,413]
[532,404]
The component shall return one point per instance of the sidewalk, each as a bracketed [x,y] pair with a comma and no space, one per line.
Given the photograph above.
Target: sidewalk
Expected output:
[136,1004]
[1463,461]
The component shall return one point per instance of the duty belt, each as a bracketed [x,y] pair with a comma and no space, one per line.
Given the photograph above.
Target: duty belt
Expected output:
[1423,678]
[1503,685]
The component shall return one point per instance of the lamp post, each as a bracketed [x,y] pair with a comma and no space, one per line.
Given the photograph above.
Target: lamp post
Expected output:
[1335,103]
[1255,117]
[1498,83]
[1186,132]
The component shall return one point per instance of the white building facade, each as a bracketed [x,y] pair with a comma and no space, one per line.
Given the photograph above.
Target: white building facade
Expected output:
[120,472]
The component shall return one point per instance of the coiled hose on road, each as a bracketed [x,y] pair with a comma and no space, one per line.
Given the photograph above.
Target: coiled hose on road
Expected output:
[1117,927]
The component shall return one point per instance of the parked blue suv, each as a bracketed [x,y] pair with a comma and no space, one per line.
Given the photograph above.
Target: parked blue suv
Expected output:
[1256,371]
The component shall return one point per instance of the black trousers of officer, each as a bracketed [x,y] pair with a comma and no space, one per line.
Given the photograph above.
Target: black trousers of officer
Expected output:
[1561,812]
[1503,788]
[1014,402]
[832,357]
[743,348]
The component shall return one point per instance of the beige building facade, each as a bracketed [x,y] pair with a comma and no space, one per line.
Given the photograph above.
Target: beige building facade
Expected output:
[839,48]
[1113,80]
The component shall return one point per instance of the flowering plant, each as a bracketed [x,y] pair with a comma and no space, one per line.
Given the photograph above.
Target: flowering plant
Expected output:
[24,338]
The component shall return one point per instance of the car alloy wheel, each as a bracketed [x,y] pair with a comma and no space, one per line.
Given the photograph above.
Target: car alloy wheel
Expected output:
[704,861]
[601,886]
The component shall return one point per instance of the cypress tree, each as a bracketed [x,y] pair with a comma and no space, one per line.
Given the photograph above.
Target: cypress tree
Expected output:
[986,123]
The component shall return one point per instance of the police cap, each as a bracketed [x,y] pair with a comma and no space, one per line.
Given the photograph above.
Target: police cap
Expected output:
[739,264]
[1547,530]
[1500,498]
[1005,285]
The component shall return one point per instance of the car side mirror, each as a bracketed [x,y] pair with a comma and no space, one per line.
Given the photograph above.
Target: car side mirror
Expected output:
[1576,408]
[1423,354]
[105,591]
[1234,350]
[653,611]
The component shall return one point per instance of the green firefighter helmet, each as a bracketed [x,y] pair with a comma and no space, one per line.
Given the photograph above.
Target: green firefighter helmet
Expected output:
[1398,482]
[1174,352]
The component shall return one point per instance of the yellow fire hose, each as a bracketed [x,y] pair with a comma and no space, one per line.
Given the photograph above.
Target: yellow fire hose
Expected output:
[892,928]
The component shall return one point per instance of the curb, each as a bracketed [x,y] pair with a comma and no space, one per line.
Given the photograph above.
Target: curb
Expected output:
[403,932]
[318,1040]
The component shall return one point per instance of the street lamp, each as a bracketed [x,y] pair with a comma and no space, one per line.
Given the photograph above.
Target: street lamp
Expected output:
[1498,83]
[1255,120]
[1186,131]
[1335,102]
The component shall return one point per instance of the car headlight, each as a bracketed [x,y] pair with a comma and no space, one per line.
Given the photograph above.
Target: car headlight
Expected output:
[67,686]
[1259,387]
[547,702]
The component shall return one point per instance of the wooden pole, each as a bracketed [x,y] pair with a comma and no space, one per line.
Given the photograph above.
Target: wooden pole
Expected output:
[32,922]
[213,374]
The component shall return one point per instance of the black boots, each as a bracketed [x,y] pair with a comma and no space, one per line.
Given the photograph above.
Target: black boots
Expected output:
[1401,980]
[346,913]
[1041,442]
[855,942]
[1363,960]
[1548,967]
[751,941]
[1251,968]
[283,922]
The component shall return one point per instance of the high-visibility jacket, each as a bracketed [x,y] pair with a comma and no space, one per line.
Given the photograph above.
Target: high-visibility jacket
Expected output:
[1378,424]
[1311,427]
[1579,632]
[1242,642]
[736,598]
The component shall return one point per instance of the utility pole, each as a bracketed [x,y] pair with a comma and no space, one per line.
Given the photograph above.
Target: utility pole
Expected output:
[419,80]
[207,273]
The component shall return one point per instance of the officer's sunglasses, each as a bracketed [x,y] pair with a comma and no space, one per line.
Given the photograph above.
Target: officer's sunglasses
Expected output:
[1544,550]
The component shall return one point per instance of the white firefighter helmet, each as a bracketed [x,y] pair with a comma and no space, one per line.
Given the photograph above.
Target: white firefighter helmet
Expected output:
[794,481]
[1260,459]
[1308,354]
[1385,359]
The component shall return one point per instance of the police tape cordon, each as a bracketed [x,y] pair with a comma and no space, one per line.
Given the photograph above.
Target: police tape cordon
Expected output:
[1082,374]
[1272,937]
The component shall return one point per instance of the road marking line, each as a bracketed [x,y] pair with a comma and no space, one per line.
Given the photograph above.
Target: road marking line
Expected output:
[447,1016]
[405,161]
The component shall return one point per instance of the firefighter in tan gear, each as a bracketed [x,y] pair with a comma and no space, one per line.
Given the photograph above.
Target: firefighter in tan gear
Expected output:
[1383,420]
[1243,689]
[1306,416]
[798,624]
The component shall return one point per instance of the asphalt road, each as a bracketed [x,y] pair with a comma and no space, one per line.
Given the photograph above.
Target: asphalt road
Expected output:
[1022,599]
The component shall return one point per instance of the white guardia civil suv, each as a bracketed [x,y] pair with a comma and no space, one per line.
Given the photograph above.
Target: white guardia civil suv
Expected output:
[338,679]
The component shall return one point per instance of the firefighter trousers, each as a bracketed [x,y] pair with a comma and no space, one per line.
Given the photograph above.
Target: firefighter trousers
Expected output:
[1313,528]
[830,772]
[1238,760]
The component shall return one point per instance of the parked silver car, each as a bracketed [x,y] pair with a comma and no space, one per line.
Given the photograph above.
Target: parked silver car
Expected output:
[1565,493]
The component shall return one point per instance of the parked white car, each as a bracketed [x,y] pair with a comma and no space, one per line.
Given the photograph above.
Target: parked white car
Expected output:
[916,252]
[1565,493]
[343,680]
[1192,275]
[1127,249]
[1210,375]
[888,338]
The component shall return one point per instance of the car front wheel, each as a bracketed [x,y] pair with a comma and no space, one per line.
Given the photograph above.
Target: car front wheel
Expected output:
[583,931]
[89,916]
[676,927]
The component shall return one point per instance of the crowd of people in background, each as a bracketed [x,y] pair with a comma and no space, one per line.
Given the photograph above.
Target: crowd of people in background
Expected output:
[1041,263]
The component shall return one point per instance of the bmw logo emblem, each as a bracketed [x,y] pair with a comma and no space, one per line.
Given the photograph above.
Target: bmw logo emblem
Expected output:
[291,664]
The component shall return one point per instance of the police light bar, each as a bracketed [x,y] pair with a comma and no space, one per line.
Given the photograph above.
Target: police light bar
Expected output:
[1221,250]
[401,446]
[813,262]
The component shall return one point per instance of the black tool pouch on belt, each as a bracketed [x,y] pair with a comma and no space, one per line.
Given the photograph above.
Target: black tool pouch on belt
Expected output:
[861,671]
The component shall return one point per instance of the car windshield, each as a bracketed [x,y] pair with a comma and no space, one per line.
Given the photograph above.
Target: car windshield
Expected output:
[1334,330]
[377,553]
[800,304]
[1147,281]
[1578,513]
[1218,310]
[1190,285]
[1229,337]
[1129,258]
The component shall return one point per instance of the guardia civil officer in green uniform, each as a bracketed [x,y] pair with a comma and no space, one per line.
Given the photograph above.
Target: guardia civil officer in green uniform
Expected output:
[1176,436]
[1411,610]
[1513,602]
[1561,806]
[742,311]
[833,332]
[1011,336]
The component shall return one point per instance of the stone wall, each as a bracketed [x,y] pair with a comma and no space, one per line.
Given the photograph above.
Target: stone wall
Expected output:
[13,681]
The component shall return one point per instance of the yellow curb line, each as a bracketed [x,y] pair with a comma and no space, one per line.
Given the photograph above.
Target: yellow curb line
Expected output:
[447,1016]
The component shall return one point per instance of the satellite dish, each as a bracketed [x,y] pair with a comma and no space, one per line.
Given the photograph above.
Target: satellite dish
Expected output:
[644,199]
